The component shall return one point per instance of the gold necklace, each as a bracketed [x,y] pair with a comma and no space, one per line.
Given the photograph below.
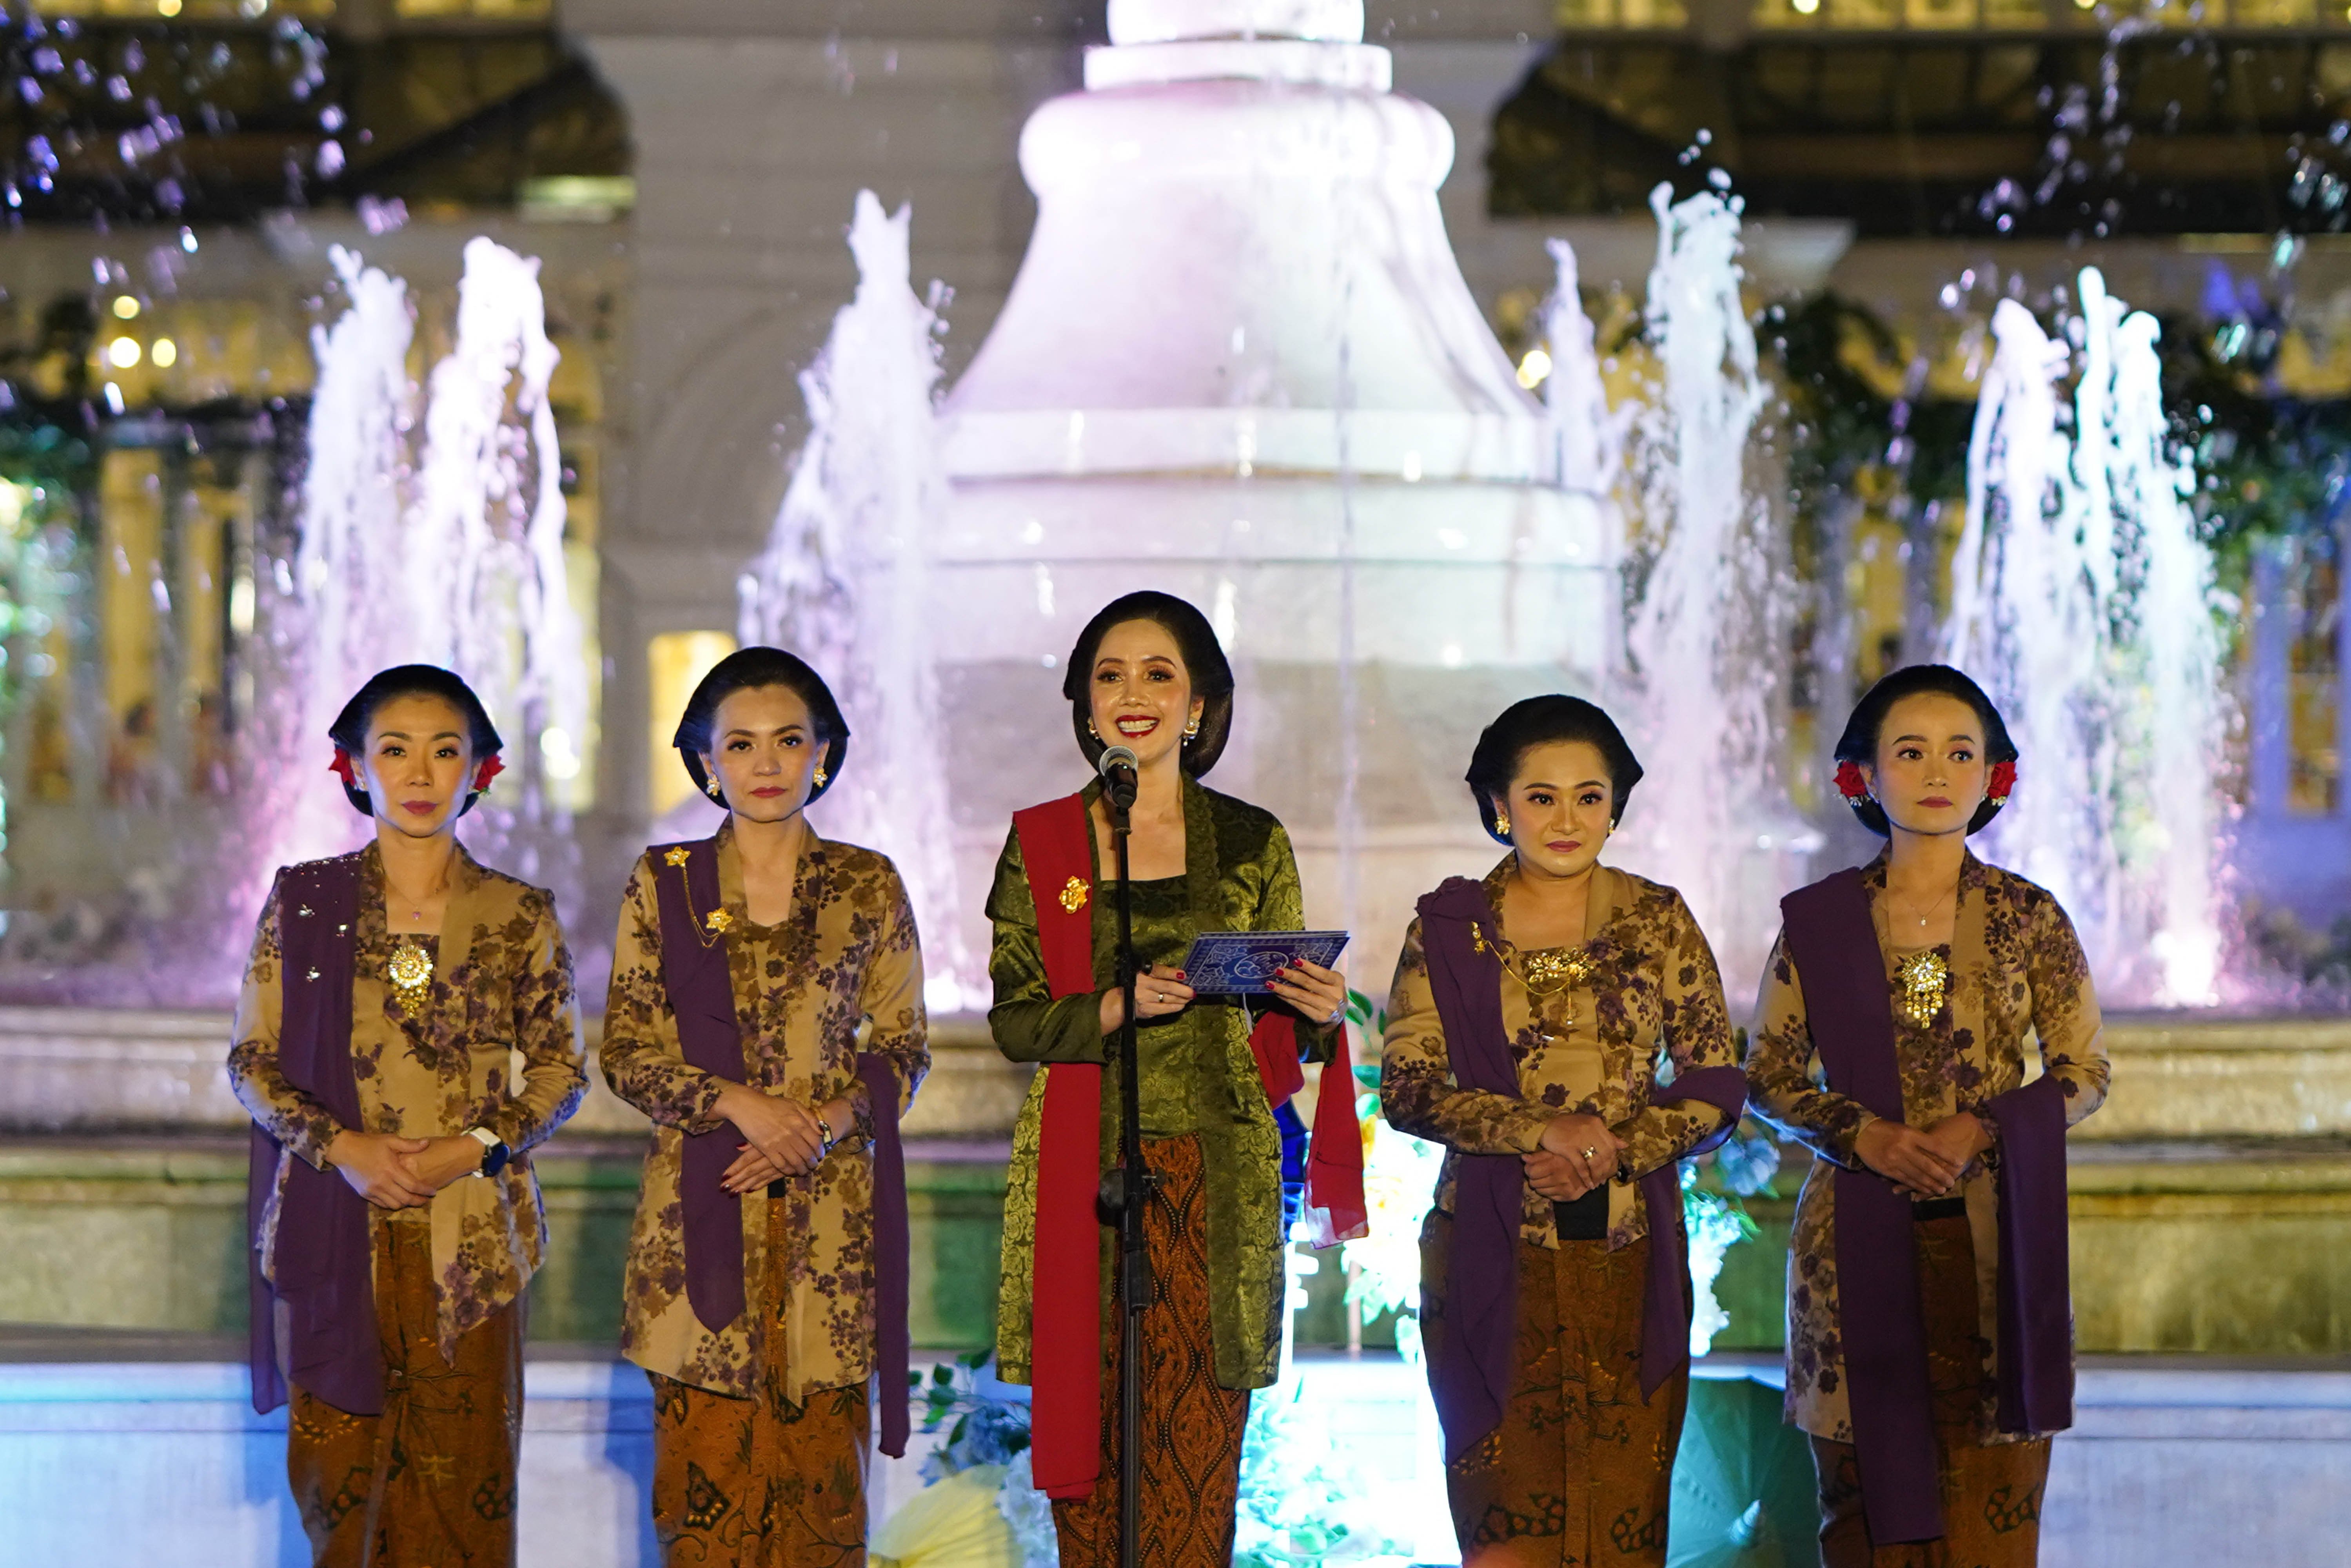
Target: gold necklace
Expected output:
[1924,979]
[1559,969]
[410,968]
[1930,908]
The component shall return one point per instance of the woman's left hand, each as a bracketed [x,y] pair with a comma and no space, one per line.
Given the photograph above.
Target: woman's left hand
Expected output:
[751,1172]
[1320,993]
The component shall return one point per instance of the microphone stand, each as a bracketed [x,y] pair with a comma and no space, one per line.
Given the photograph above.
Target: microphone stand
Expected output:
[1126,1189]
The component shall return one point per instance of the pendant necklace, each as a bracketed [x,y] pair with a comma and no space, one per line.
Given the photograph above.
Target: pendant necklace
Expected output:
[410,967]
[1924,977]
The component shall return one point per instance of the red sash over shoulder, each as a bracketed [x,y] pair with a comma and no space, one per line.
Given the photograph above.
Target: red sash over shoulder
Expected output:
[1065,1290]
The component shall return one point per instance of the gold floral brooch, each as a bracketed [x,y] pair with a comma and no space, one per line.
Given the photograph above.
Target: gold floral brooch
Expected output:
[1924,980]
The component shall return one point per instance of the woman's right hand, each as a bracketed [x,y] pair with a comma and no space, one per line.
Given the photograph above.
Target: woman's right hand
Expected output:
[784,1131]
[1591,1151]
[1906,1157]
[1159,992]
[377,1165]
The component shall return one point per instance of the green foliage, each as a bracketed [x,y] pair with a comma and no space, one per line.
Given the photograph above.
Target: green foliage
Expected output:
[990,1427]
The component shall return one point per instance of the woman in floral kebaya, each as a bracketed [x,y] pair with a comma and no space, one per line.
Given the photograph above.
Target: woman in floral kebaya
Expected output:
[766,1284]
[1533,1014]
[1930,1328]
[391,994]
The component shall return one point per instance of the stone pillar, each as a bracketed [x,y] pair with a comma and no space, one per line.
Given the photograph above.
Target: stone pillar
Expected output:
[754,124]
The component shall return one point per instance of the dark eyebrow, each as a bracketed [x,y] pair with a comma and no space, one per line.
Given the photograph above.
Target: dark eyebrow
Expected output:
[403,735]
[1587,784]
[794,728]
[1922,740]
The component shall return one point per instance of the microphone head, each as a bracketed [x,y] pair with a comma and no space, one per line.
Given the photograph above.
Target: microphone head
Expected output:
[1118,757]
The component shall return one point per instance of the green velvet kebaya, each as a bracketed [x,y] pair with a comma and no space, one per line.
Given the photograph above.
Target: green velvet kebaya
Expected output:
[1199,1075]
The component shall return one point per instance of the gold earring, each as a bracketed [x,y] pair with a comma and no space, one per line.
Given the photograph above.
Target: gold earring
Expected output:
[1191,730]
[820,776]
[711,784]
[1502,823]
[1090,730]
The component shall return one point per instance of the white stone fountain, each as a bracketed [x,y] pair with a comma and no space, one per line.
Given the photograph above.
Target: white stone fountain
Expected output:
[1239,363]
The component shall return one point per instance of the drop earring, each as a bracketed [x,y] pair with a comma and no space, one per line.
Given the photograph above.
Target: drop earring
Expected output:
[1502,823]
[711,784]
[820,777]
[1191,730]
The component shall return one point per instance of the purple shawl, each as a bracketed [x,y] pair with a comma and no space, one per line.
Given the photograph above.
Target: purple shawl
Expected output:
[1850,1007]
[701,987]
[325,1256]
[1470,1373]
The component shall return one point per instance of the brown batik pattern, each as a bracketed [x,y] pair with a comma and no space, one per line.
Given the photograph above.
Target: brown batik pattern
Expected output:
[432,1480]
[1191,1425]
[1991,1493]
[1581,1469]
[761,1482]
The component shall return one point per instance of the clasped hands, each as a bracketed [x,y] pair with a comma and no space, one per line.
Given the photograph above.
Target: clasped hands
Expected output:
[393,1172]
[1577,1154]
[1924,1163]
[785,1137]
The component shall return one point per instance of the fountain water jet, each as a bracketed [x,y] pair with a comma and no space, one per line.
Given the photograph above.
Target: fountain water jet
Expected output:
[449,552]
[2084,601]
[1710,818]
[846,583]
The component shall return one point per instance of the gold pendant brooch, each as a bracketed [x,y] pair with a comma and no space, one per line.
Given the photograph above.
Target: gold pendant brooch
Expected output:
[1923,979]
[410,971]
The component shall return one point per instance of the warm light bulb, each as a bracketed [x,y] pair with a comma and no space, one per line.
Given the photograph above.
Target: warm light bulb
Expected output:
[1533,369]
[167,7]
[125,307]
[122,354]
[165,353]
[1805,7]
[2085,5]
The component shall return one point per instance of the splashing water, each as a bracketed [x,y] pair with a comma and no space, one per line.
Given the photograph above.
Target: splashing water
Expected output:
[845,580]
[1587,436]
[455,559]
[2082,600]
[1698,641]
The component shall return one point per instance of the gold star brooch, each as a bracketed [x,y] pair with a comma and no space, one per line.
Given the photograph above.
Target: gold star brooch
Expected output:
[677,857]
[1075,893]
[717,920]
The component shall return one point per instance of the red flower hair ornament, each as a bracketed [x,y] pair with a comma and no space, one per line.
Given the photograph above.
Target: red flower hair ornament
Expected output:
[341,768]
[1850,783]
[490,769]
[2002,783]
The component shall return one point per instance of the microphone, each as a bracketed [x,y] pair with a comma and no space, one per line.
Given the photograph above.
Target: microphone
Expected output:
[1117,768]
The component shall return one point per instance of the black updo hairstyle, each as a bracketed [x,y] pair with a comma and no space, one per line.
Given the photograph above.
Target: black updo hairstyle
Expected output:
[1858,745]
[349,730]
[744,670]
[1203,662]
[1543,721]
